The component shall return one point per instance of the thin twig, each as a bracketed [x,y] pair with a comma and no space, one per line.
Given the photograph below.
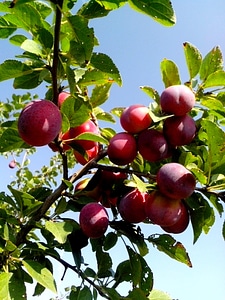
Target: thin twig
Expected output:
[82,275]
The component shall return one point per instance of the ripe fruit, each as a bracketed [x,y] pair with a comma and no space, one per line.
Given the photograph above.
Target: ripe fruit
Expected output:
[135,118]
[62,97]
[181,224]
[175,181]
[177,100]
[179,130]
[122,148]
[89,154]
[68,137]
[12,164]
[152,145]
[132,206]
[39,122]
[162,210]
[93,220]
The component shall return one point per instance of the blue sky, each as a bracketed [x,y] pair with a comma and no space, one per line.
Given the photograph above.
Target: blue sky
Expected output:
[137,45]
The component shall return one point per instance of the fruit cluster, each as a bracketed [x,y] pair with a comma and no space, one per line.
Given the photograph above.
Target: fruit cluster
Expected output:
[40,123]
[152,143]
[164,206]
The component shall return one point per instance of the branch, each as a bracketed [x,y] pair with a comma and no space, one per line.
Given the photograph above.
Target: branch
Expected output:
[25,229]
[82,275]
[54,69]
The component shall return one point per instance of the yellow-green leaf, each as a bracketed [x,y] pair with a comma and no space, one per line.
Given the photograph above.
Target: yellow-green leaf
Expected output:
[41,274]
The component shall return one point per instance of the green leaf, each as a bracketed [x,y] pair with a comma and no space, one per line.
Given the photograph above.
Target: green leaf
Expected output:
[137,293]
[70,74]
[91,137]
[170,73]
[215,79]
[4,285]
[26,202]
[223,232]
[142,275]
[171,247]
[13,68]
[10,140]
[6,28]
[152,93]
[39,289]
[216,144]
[92,9]
[17,39]
[90,272]
[104,263]
[40,274]
[25,16]
[112,293]
[211,63]
[5,198]
[160,10]
[159,295]
[4,7]
[105,116]
[17,288]
[138,183]
[45,38]
[216,202]
[110,5]
[31,46]
[123,272]
[60,230]
[75,112]
[133,234]
[40,193]
[104,64]
[81,39]
[84,294]
[193,59]
[100,94]
[202,214]
[110,241]
[28,81]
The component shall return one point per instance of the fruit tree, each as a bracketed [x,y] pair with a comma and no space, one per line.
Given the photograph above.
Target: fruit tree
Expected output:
[162,166]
